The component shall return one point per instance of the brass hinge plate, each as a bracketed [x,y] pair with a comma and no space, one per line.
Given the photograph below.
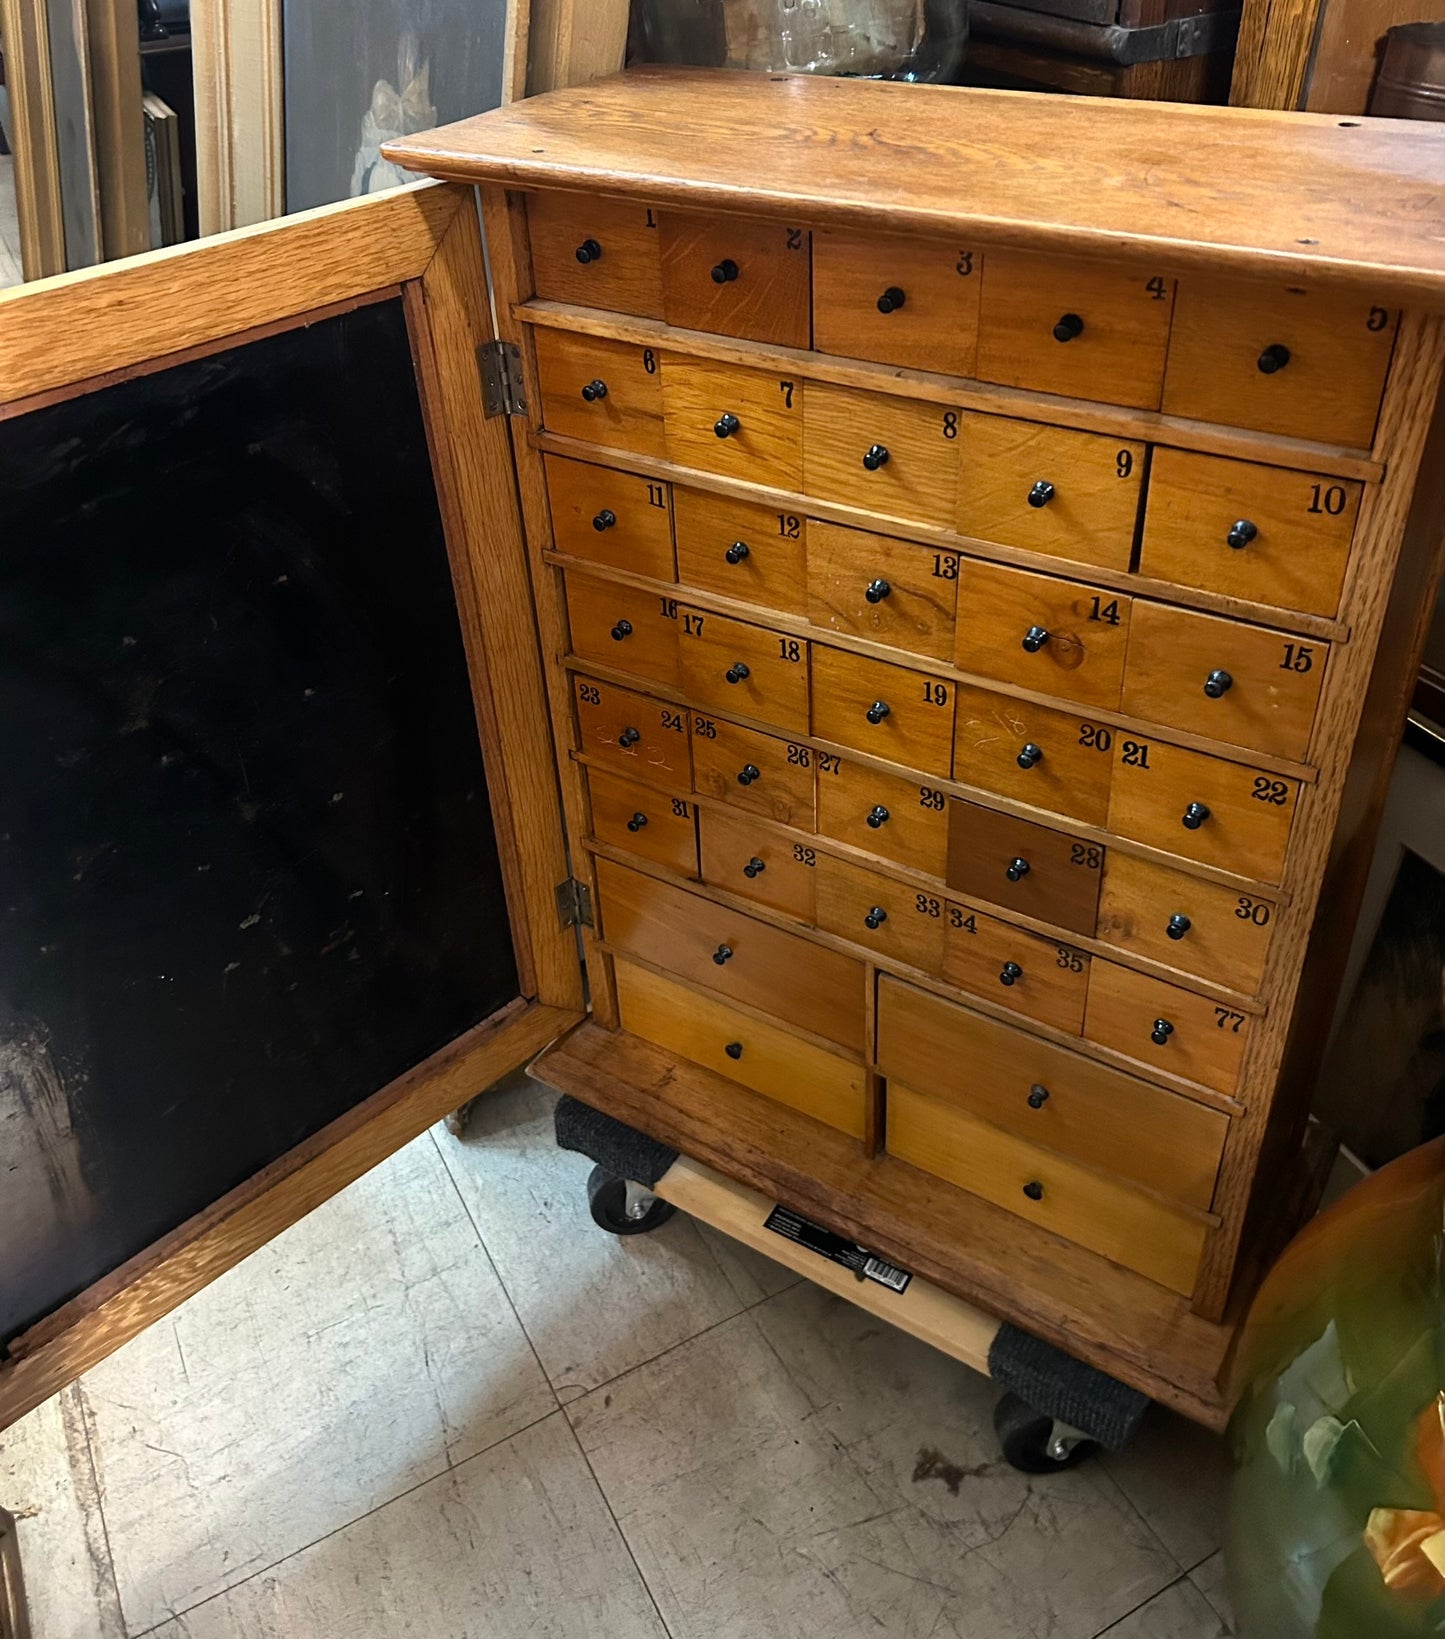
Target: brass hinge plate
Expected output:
[500,365]
[574,903]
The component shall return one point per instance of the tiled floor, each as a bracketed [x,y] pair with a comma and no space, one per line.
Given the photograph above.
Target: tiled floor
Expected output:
[9,224]
[447,1406]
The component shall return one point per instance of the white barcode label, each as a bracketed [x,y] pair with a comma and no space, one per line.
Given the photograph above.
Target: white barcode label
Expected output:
[886,1274]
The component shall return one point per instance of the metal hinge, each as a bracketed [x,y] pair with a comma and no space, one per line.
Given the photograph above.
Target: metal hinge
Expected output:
[500,363]
[574,903]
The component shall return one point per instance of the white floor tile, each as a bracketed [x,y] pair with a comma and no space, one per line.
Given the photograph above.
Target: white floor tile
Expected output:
[1177,1475]
[1180,1612]
[1212,1582]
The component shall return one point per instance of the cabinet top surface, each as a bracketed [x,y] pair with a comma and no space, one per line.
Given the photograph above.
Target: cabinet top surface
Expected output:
[1235,189]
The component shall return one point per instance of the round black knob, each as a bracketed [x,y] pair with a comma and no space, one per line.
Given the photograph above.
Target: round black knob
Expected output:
[1029,755]
[877,712]
[1218,684]
[1178,925]
[1035,638]
[726,425]
[876,590]
[1242,534]
[1041,494]
[1034,1190]
[1017,870]
[725,272]
[891,300]
[1195,815]
[875,456]
[724,953]
[594,390]
[736,552]
[622,629]
[1010,974]
[1161,1032]
[876,816]
[589,251]
[637,822]
[734,1049]
[1038,1096]
[737,672]
[628,737]
[1272,360]
[754,867]
[748,773]
[1068,327]
[604,520]
[876,917]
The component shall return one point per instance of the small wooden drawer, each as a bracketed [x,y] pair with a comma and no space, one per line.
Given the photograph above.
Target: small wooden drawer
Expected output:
[1049,1095]
[1244,685]
[752,771]
[875,587]
[888,711]
[897,300]
[742,549]
[748,1050]
[782,974]
[1084,329]
[1166,1026]
[896,818]
[659,827]
[1263,533]
[1118,1222]
[890,918]
[1187,802]
[608,392]
[1030,868]
[610,517]
[728,665]
[893,456]
[736,277]
[1200,927]
[759,864]
[647,739]
[1046,758]
[740,423]
[1280,359]
[1069,494]
[1039,977]
[1056,636]
[595,252]
[622,627]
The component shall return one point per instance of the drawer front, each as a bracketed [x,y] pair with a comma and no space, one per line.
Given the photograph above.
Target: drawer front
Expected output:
[1263,533]
[643,738]
[1244,685]
[608,392]
[740,549]
[755,772]
[889,918]
[894,456]
[888,815]
[1030,868]
[596,252]
[897,300]
[610,517]
[1204,928]
[1069,494]
[1079,328]
[1056,636]
[1050,1096]
[659,827]
[747,859]
[741,423]
[781,974]
[728,665]
[1038,977]
[1201,807]
[755,1054]
[622,627]
[888,591]
[1047,758]
[736,277]
[887,711]
[1093,1211]
[1165,1026]
[1305,363]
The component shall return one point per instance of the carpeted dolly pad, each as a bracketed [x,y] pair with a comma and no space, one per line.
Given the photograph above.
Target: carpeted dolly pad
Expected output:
[625,1152]
[1064,1388]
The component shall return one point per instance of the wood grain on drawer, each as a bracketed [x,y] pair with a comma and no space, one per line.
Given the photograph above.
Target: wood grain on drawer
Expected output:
[885,710]
[731,665]
[759,773]
[897,818]
[610,517]
[875,587]
[596,252]
[659,827]
[741,549]
[1039,977]
[736,277]
[623,627]
[888,917]
[1165,1026]
[1035,754]
[625,414]
[894,456]
[645,738]
[740,423]
[1032,869]
[759,864]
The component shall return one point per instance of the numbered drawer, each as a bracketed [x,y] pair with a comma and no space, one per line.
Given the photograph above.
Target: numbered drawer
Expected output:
[894,456]
[728,665]
[1165,1026]
[610,517]
[781,974]
[887,711]
[1280,359]
[1084,329]
[1030,868]
[746,1049]
[1263,533]
[742,549]
[891,919]
[645,738]
[736,277]
[1187,802]
[897,300]
[608,392]
[1069,494]
[1050,1096]
[1046,758]
[622,627]
[894,817]
[1035,976]
[1244,685]
[759,864]
[741,423]
[659,827]
[1056,636]
[875,587]
[596,252]
[753,771]
[1201,927]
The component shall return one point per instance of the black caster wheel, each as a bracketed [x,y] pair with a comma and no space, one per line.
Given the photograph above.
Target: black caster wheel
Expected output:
[1033,1442]
[622,1208]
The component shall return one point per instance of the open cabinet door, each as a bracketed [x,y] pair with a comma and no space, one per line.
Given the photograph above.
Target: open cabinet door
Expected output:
[280,841]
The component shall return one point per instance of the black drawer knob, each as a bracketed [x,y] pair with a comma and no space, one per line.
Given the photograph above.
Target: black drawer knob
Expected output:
[876,917]
[1038,1096]
[1041,494]
[1195,815]
[876,816]
[1273,359]
[1030,755]
[622,629]
[725,272]
[734,1049]
[1010,974]
[1034,1190]
[604,520]
[723,954]
[876,590]
[1178,925]
[875,456]
[628,737]
[1161,1032]
[748,773]
[589,251]
[1242,534]
[1218,684]
[738,672]
[891,300]
[594,390]
[877,712]
[736,552]
[637,822]
[1035,638]
[754,867]
[1017,870]
[726,425]
[1069,327]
